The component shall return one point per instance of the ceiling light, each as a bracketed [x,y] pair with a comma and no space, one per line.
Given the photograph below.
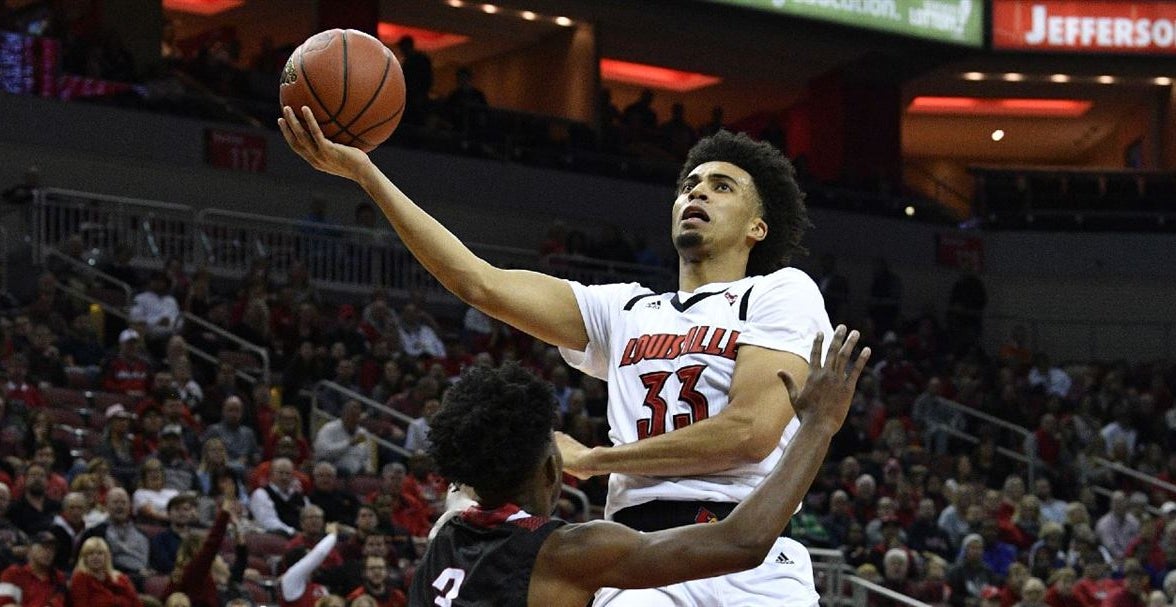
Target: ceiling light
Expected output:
[1163,81]
[489,9]
[529,16]
[1106,79]
[1014,77]
[456,3]
[910,211]
[1059,78]
[1001,106]
[998,134]
[973,76]
[564,21]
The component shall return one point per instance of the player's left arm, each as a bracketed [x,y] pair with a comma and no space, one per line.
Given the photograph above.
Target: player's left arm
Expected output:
[745,431]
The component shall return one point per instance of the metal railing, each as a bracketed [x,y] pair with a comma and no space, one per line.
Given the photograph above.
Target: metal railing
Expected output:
[318,413]
[152,229]
[862,588]
[261,352]
[833,577]
[1033,464]
[90,271]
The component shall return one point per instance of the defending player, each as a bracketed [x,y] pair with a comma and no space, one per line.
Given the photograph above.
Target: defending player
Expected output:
[696,417]
[494,434]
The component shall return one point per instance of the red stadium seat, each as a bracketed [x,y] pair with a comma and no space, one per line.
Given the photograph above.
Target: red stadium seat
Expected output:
[62,398]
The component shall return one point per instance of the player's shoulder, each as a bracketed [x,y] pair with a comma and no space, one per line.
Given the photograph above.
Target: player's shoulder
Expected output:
[785,277]
[621,292]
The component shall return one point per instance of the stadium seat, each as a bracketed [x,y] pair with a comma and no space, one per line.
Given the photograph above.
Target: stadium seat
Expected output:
[64,397]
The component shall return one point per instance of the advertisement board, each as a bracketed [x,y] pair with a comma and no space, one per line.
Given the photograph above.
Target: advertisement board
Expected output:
[953,21]
[1095,26]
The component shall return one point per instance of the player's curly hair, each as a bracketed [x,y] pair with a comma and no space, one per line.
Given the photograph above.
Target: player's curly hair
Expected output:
[775,180]
[493,428]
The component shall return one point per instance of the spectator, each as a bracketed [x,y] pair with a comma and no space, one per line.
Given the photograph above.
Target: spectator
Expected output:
[95,581]
[416,439]
[933,588]
[896,567]
[68,526]
[925,535]
[287,424]
[152,498]
[953,519]
[1032,593]
[1010,592]
[348,332]
[344,443]
[39,581]
[18,392]
[639,118]
[127,372]
[834,287]
[418,81]
[129,548]
[34,510]
[885,298]
[1117,528]
[157,309]
[181,513]
[117,447]
[295,585]
[1061,589]
[937,418]
[714,125]
[178,471]
[278,505]
[412,402]
[1133,593]
[239,440]
[1120,430]
[970,574]
[375,584]
[403,506]
[1095,587]
[1049,379]
[676,134]
[45,364]
[312,528]
[839,518]
[1048,553]
[466,106]
[417,338]
[338,504]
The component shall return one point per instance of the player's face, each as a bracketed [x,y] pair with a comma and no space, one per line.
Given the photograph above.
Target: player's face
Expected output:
[717,207]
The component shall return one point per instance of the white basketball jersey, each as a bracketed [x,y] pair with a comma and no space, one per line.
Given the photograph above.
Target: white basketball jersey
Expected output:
[669,358]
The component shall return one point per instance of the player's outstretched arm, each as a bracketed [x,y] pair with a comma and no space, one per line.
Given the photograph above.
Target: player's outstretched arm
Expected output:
[604,554]
[541,305]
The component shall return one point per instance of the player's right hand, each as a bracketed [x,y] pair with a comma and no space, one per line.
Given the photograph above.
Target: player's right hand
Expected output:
[306,139]
[827,394]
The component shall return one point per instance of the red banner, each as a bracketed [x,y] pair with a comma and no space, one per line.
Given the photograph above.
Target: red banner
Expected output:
[1085,27]
[235,151]
[959,251]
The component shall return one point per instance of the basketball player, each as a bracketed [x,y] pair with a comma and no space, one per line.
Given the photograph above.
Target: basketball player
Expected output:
[696,417]
[494,434]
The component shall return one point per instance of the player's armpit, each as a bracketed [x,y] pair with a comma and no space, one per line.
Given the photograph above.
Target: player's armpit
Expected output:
[745,431]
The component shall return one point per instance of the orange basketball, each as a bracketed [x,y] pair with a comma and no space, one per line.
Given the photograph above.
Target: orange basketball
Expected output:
[351,82]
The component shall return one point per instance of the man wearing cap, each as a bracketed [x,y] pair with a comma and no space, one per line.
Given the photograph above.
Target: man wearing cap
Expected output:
[181,513]
[348,332]
[39,582]
[127,372]
[175,412]
[178,471]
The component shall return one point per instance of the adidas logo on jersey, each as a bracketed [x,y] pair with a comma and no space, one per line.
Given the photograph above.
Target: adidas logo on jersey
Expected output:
[784,560]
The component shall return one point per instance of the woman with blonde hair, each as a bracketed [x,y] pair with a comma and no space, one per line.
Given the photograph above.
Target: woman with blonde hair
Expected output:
[87,484]
[95,581]
[287,422]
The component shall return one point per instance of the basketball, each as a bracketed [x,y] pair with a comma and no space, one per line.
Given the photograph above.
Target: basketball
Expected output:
[352,83]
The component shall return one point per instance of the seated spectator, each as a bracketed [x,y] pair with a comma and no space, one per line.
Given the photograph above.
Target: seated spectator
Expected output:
[925,535]
[1014,583]
[933,589]
[896,571]
[277,506]
[157,309]
[129,547]
[998,555]
[1061,589]
[1118,527]
[86,484]
[1133,592]
[1048,553]
[238,439]
[1047,378]
[18,392]
[344,443]
[152,498]
[311,529]
[146,441]
[1032,593]
[288,422]
[416,440]
[348,332]
[34,510]
[1052,509]
[95,581]
[178,471]
[339,505]
[288,449]
[56,486]
[39,581]
[839,517]
[1095,587]
[970,574]
[417,337]
[81,350]
[117,446]
[45,363]
[181,512]
[127,372]
[366,522]
[375,584]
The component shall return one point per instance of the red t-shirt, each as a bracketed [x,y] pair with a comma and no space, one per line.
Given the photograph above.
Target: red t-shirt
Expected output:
[48,592]
[85,589]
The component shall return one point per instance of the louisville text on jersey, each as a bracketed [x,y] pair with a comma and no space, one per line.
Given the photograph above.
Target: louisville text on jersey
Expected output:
[715,341]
